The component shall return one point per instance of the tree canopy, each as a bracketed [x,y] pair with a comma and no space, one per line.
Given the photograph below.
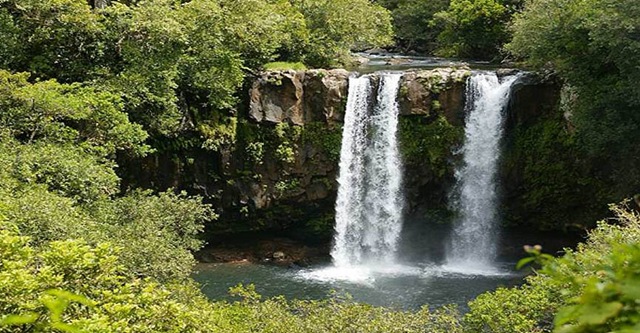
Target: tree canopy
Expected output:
[594,47]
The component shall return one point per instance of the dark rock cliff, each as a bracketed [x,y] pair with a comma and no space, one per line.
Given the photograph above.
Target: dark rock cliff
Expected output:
[280,171]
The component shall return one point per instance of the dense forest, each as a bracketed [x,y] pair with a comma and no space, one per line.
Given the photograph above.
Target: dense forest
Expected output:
[86,86]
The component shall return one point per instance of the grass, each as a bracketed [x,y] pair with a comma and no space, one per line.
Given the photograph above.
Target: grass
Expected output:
[282,65]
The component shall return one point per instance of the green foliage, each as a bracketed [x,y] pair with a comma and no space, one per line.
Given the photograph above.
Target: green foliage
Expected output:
[473,28]
[159,232]
[52,39]
[535,257]
[422,139]
[338,26]
[57,142]
[337,315]
[226,36]
[258,29]
[219,136]
[282,65]
[590,289]
[514,310]
[413,23]
[149,41]
[58,183]
[72,114]
[176,65]
[609,300]
[287,139]
[558,189]
[598,280]
[285,186]
[320,227]
[66,170]
[255,152]
[70,286]
[323,136]
[594,47]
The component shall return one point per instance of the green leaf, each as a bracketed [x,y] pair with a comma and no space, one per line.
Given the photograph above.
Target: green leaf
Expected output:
[63,294]
[596,314]
[65,327]
[16,320]
[566,314]
[629,329]
[630,289]
[567,329]
[524,261]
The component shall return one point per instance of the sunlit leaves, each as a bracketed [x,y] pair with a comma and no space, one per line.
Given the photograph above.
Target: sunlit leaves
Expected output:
[473,29]
[336,27]
[60,113]
[594,46]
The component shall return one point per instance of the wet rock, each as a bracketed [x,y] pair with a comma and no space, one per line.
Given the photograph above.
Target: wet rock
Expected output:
[317,191]
[299,97]
[376,51]
[325,95]
[398,61]
[360,60]
[501,72]
[426,92]
[277,97]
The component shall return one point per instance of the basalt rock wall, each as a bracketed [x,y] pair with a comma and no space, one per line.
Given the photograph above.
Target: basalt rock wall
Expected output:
[280,172]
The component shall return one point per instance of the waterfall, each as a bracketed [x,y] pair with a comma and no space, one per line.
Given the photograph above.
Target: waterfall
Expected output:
[369,204]
[475,234]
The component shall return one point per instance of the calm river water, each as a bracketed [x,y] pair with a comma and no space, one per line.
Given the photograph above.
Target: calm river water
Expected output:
[402,287]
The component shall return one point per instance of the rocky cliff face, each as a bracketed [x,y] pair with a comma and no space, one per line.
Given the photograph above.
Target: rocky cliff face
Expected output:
[299,97]
[281,171]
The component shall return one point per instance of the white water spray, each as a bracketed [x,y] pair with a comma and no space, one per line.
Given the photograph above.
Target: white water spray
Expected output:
[369,204]
[474,238]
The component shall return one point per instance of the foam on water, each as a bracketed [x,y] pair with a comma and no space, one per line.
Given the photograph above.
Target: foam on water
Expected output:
[360,274]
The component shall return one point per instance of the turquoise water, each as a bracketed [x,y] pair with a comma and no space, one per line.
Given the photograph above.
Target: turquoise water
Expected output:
[403,287]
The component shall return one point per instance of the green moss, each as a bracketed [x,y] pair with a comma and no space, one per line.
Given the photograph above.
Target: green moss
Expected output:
[287,139]
[218,135]
[320,227]
[283,187]
[432,141]
[283,65]
[256,141]
[326,137]
[557,189]
[433,82]
[435,106]
[403,92]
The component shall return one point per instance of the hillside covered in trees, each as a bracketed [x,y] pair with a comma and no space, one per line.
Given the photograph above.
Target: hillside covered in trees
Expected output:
[88,88]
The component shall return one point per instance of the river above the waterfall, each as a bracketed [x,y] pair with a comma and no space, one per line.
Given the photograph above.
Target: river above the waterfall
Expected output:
[370,63]
[401,287]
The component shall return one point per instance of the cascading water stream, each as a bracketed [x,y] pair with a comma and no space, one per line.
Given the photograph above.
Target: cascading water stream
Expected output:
[369,203]
[474,238]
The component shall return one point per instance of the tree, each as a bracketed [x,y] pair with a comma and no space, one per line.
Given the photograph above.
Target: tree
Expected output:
[339,26]
[593,45]
[413,23]
[67,113]
[474,29]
